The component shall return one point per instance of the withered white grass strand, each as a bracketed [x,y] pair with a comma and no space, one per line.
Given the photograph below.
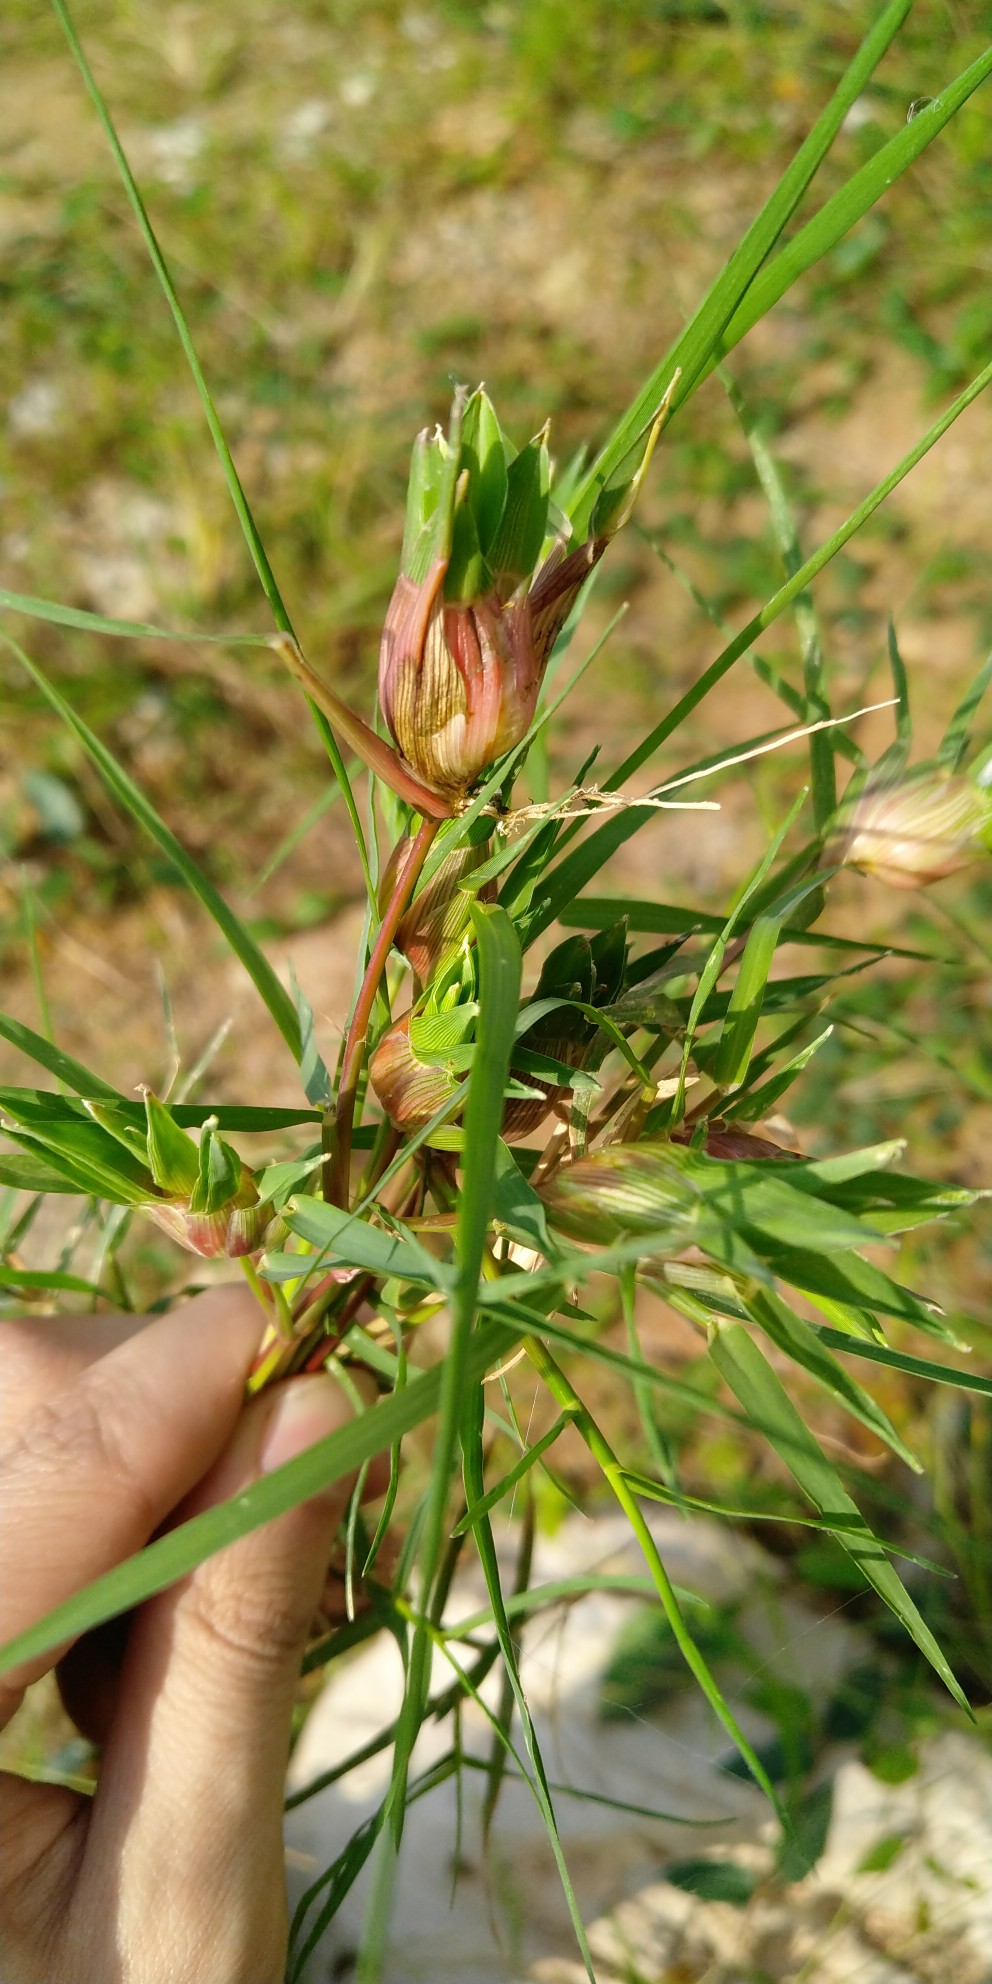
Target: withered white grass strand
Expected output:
[588,799]
[774,744]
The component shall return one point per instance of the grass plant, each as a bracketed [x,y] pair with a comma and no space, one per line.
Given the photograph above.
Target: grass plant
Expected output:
[493,1152]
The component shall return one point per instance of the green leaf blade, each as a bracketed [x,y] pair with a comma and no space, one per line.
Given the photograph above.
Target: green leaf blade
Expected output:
[695,350]
[753,1382]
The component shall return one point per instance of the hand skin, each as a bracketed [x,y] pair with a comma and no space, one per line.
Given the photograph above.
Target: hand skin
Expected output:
[112,1427]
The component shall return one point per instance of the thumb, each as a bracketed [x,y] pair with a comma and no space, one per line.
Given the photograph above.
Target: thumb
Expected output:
[193,1773]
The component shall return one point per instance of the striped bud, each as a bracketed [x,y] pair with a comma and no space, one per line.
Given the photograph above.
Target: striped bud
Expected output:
[410,1090]
[736,1146]
[624,1192]
[916,831]
[458,684]
[244,1226]
[438,917]
[477,607]
[202,1194]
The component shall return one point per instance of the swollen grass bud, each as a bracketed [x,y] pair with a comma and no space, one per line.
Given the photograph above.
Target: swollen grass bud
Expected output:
[474,613]
[418,1064]
[915,831]
[737,1146]
[203,1195]
[210,1202]
[410,1090]
[458,684]
[624,1192]
[438,918]
[243,1226]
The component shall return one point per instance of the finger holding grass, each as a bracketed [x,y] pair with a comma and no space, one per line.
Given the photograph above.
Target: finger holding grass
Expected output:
[111,1431]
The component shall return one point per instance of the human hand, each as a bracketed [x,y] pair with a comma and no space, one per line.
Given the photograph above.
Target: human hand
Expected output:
[110,1428]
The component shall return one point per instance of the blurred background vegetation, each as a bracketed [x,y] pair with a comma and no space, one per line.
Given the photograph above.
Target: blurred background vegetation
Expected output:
[360,202]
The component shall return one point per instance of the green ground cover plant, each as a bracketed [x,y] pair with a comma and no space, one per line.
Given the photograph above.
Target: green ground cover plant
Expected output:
[490,1153]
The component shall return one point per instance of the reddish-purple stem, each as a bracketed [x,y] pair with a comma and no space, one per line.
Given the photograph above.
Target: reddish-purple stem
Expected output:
[338,1169]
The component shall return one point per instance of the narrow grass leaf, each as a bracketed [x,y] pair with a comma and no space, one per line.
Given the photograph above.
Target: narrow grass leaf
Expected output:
[314,1075]
[517,1207]
[130,796]
[900,1360]
[438,1707]
[614,1476]
[848,1320]
[765,671]
[242,508]
[955,740]
[334,1884]
[745,1009]
[43,1105]
[800,1341]
[89,1161]
[499,995]
[507,1482]
[701,339]
[499,1000]
[167,287]
[847,1277]
[854,199]
[298,833]
[600,1797]
[751,1379]
[345,1239]
[900,684]
[100,623]
[655,1491]
[674,919]
[474,1477]
[816,699]
[563,1591]
[763,1202]
[533,1322]
[659,1449]
[857,1170]
[752,1103]
[48,1280]
[26,1172]
[714,963]
[50,1057]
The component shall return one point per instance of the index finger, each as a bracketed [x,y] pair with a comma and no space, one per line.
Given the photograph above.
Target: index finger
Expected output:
[95,1468]
[40,1354]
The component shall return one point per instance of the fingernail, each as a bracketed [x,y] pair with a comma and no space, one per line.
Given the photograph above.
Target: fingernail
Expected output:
[305,1410]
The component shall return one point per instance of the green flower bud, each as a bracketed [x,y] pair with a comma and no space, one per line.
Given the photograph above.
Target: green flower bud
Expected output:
[410,1090]
[438,918]
[623,1192]
[203,1195]
[244,1225]
[210,1202]
[474,613]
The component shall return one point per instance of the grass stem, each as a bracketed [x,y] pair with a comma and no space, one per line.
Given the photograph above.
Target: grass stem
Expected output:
[337,1167]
